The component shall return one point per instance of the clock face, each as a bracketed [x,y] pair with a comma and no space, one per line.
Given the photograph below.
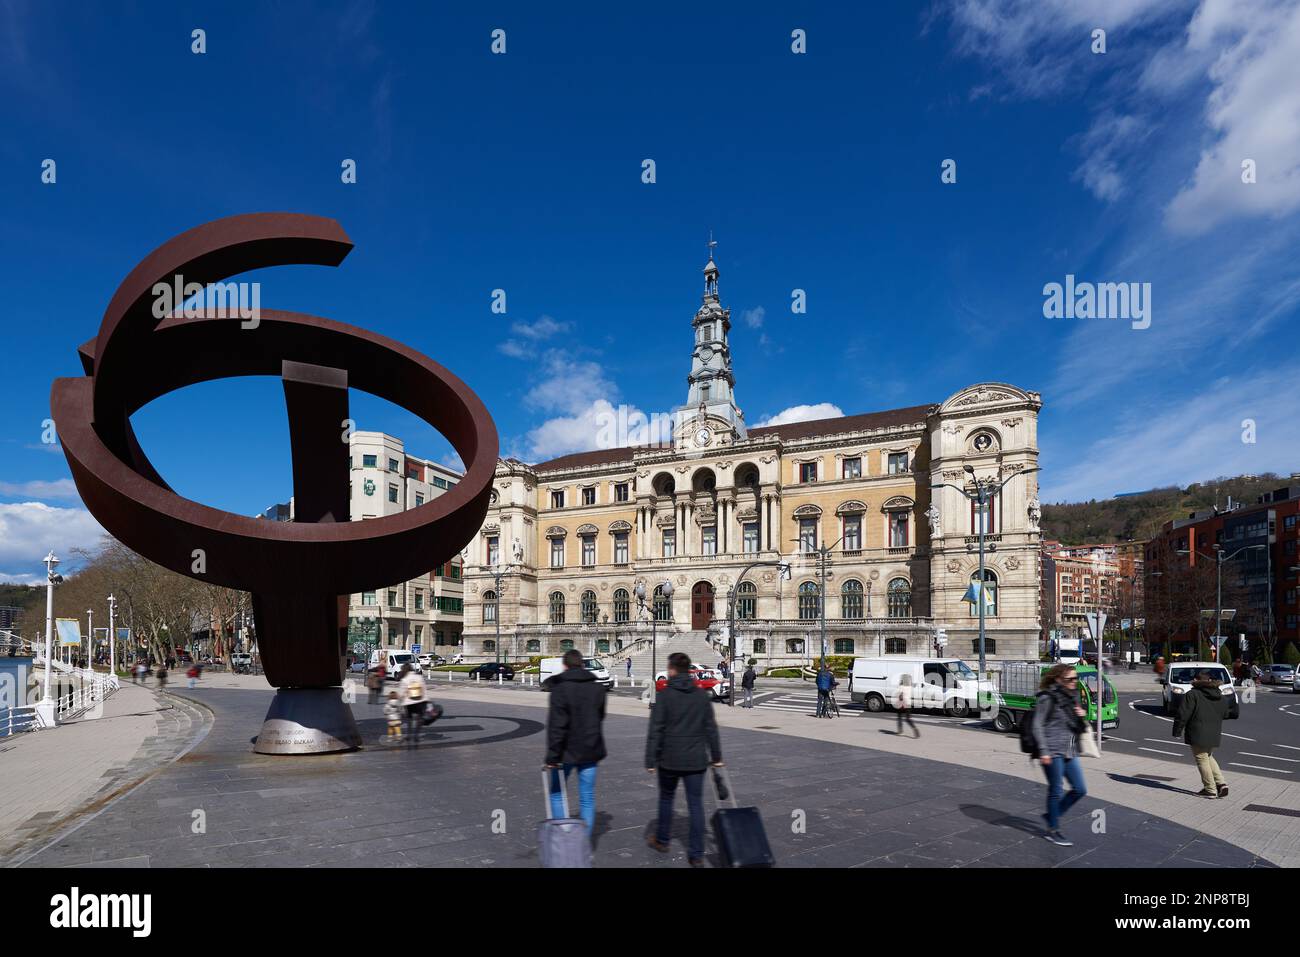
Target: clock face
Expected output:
[702,437]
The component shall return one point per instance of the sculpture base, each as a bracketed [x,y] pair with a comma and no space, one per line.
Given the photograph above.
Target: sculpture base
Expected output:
[308,721]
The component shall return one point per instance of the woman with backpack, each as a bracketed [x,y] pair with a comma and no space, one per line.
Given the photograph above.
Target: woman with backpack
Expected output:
[1053,729]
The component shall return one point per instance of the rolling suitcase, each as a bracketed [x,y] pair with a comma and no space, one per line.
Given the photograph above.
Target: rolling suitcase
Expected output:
[738,831]
[561,841]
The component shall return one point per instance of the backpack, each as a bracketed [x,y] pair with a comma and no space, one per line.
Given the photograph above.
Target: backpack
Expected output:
[824,679]
[1027,743]
[414,691]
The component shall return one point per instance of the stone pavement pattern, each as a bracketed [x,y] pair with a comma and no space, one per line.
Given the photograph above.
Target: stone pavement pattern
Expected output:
[437,806]
[50,779]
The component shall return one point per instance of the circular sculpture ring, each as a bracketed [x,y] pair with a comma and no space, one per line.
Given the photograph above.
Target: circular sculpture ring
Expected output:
[302,572]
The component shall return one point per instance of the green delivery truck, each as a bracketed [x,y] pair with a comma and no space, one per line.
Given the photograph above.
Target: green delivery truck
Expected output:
[1018,683]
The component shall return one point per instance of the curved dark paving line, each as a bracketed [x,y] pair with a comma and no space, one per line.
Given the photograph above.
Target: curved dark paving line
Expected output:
[471,796]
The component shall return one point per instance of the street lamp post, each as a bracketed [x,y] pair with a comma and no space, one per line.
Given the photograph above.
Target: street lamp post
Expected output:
[497,572]
[666,589]
[985,490]
[112,635]
[731,617]
[45,708]
[90,636]
[1220,560]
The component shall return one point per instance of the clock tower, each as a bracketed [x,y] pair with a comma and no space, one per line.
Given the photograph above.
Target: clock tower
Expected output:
[710,416]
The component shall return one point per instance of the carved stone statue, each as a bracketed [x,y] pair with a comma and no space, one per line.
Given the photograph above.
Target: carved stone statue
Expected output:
[517,551]
[1035,514]
[936,529]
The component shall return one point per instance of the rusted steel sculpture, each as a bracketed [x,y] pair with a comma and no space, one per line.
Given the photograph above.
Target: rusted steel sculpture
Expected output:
[300,573]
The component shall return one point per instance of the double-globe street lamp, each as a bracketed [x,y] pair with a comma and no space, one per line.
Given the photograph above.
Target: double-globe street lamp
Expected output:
[665,589]
[497,572]
[985,491]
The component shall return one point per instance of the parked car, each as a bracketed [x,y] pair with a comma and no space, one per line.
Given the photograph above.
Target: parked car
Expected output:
[488,671]
[715,685]
[431,661]
[1177,681]
[241,663]
[1278,675]
[357,667]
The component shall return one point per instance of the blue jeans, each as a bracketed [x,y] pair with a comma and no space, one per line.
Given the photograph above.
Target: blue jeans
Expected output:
[586,792]
[1059,769]
[694,781]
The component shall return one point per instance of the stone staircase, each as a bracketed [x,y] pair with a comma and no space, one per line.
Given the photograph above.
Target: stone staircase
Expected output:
[695,644]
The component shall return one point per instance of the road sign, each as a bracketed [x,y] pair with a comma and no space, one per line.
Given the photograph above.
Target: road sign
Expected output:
[1096,623]
[415,649]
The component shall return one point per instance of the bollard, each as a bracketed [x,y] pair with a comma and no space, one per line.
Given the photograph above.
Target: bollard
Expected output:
[498,679]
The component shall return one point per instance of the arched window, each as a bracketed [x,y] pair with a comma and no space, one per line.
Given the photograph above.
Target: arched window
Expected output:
[760,646]
[900,598]
[663,605]
[566,644]
[747,601]
[990,591]
[844,646]
[557,608]
[588,607]
[489,645]
[622,606]
[533,646]
[489,607]
[851,599]
[808,601]
[895,646]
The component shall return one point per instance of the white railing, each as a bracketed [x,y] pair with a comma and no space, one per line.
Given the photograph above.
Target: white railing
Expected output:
[18,720]
[90,689]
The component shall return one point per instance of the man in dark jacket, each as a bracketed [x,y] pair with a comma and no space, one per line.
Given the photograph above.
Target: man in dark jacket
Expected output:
[747,683]
[1200,722]
[573,737]
[682,742]
[825,685]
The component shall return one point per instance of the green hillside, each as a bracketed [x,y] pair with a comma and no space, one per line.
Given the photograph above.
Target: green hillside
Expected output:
[1140,516]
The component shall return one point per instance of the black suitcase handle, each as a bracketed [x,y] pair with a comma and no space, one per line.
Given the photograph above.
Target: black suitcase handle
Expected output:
[722,788]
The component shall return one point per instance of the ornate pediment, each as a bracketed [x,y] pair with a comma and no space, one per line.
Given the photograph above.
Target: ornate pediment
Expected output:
[747,514]
[850,507]
[557,531]
[620,526]
[491,528]
[587,529]
[666,521]
[807,511]
[897,502]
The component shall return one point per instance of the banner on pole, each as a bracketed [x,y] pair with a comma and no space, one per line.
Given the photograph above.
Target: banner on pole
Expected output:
[68,630]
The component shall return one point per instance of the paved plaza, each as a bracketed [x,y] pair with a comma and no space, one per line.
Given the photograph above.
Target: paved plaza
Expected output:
[844,793]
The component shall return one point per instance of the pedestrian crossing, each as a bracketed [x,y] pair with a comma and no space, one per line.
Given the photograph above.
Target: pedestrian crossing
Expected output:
[805,702]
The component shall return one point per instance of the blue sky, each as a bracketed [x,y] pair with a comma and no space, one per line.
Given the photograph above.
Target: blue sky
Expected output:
[818,171]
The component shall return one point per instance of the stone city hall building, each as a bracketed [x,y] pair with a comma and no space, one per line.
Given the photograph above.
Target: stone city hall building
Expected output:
[571,538]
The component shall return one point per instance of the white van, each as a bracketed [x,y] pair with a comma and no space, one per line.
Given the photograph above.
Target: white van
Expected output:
[947,683]
[1177,681]
[393,659]
[550,667]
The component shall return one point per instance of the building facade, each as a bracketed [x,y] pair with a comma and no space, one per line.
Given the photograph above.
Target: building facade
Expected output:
[716,507]
[1260,545]
[426,611]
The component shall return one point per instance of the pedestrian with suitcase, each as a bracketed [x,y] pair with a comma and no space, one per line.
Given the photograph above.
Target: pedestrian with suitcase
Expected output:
[573,733]
[562,841]
[683,741]
[738,831]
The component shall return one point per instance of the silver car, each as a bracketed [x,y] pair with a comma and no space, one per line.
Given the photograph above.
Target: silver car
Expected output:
[1278,675]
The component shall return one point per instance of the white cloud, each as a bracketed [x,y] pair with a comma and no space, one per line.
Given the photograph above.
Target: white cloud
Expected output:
[577,432]
[16,579]
[569,385]
[544,328]
[514,349]
[30,529]
[754,317]
[60,488]
[802,413]
[1191,441]
[1251,113]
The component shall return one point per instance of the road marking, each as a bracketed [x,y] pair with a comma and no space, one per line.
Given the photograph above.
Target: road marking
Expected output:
[1256,767]
[1289,747]
[1111,737]
[1158,751]
[1239,737]
[1164,741]
[1270,757]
